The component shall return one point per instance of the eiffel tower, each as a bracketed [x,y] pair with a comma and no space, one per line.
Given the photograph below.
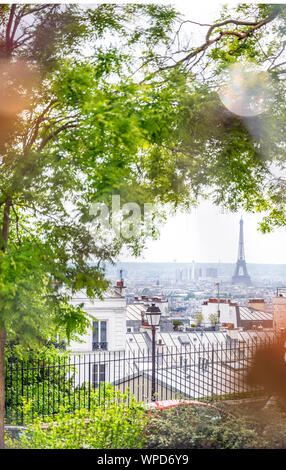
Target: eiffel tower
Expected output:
[243,278]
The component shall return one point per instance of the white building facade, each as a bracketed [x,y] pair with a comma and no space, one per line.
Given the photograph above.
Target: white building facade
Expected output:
[225,310]
[107,330]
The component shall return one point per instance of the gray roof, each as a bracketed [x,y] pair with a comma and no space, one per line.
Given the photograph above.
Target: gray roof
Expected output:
[110,293]
[194,375]
[248,313]
[191,340]
[192,382]
[134,311]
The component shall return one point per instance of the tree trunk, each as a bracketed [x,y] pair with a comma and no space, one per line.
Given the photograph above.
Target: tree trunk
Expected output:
[3,333]
[2,385]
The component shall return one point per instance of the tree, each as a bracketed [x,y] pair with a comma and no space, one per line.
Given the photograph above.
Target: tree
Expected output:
[199,318]
[83,121]
[68,138]
[177,324]
[213,319]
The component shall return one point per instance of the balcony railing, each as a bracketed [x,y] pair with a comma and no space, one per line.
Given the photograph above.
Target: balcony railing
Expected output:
[99,345]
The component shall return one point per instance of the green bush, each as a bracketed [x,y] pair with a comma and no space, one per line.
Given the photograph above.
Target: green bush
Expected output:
[269,423]
[197,427]
[116,423]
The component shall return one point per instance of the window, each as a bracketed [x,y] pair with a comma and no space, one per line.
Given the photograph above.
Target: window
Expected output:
[98,374]
[99,335]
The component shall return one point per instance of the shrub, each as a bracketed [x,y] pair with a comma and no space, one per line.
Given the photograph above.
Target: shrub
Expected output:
[269,423]
[195,427]
[116,423]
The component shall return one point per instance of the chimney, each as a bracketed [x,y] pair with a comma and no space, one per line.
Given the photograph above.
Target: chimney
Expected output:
[120,287]
[257,304]
[279,312]
[160,346]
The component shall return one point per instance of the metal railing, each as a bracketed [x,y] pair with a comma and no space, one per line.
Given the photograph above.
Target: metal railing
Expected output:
[99,345]
[206,371]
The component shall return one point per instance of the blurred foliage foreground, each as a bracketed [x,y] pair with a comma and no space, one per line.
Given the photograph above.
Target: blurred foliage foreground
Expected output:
[122,423]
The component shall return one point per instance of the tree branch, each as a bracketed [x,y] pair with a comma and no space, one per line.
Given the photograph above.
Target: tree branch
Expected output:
[254,26]
[36,125]
[17,224]
[8,30]
[53,134]
[6,223]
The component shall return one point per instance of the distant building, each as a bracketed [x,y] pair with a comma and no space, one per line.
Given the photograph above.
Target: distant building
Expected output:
[241,276]
[193,271]
[279,309]
[136,318]
[233,316]
[198,273]
[211,272]
[179,275]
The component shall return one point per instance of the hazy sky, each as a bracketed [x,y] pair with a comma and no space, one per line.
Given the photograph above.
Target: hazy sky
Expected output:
[208,234]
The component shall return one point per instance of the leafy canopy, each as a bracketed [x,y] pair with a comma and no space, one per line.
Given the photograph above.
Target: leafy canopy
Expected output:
[91,121]
[71,138]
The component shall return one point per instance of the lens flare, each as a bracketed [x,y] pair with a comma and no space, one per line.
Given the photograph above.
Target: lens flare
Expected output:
[245,90]
[17,81]
[269,369]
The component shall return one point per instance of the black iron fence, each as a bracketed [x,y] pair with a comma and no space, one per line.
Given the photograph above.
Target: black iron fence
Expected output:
[205,372]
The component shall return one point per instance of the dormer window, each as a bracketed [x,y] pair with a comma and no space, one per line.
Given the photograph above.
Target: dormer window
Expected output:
[99,335]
